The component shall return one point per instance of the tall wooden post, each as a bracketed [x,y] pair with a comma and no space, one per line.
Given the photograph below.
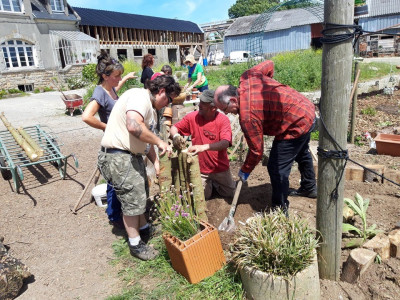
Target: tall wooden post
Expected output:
[335,93]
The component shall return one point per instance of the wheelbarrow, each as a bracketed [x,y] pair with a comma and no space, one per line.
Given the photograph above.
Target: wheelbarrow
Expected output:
[72,102]
[13,158]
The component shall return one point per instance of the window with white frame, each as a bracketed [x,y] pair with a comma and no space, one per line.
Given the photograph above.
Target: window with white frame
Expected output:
[57,5]
[10,5]
[17,54]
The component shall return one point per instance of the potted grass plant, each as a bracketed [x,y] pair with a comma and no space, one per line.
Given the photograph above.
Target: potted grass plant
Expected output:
[276,258]
[193,246]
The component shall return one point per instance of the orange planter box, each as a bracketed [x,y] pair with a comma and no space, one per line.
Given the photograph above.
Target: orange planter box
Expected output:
[388,144]
[198,257]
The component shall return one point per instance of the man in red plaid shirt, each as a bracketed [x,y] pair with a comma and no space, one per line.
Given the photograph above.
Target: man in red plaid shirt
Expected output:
[267,107]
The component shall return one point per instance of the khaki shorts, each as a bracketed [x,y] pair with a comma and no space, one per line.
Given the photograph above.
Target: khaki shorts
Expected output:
[127,174]
[222,182]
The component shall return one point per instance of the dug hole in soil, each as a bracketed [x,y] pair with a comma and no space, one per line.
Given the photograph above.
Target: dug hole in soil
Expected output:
[70,255]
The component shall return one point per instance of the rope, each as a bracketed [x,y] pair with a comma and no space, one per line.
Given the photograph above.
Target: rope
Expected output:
[355,32]
[343,154]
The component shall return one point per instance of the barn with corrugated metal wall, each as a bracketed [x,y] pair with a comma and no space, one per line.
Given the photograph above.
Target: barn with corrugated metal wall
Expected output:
[286,30]
[295,29]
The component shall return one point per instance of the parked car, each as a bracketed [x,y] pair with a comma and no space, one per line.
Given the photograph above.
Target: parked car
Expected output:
[243,56]
[215,58]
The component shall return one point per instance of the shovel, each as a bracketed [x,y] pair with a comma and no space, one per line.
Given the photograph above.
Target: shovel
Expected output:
[228,224]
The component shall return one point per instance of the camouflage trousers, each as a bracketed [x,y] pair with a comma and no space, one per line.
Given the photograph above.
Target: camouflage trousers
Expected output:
[127,174]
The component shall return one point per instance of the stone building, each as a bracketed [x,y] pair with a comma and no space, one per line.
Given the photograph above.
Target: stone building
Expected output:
[39,41]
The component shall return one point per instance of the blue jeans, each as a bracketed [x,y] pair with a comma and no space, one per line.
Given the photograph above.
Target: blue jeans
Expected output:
[283,154]
[113,209]
[203,88]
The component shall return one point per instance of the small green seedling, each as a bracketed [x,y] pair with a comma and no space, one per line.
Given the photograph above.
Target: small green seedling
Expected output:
[359,206]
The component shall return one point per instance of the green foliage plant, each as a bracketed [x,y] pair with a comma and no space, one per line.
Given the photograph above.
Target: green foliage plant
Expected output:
[3,93]
[48,89]
[369,111]
[315,135]
[275,244]
[75,83]
[14,91]
[301,70]
[89,73]
[359,206]
[176,214]
[250,7]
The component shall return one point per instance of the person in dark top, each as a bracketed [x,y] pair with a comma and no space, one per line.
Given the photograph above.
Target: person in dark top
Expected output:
[147,64]
[102,102]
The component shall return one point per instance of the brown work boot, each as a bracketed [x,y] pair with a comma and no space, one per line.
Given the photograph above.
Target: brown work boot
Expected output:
[143,251]
[149,232]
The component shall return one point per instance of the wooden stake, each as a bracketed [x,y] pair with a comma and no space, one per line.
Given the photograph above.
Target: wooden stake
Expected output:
[199,201]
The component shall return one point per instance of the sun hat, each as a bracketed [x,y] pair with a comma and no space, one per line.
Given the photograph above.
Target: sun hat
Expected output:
[207,96]
[190,58]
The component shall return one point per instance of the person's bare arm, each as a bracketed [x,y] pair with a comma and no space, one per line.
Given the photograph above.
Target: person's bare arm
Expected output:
[135,125]
[221,145]
[128,76]
[89,118]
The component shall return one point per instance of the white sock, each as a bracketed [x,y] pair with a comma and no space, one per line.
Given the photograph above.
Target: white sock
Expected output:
[134,241]
[144,227]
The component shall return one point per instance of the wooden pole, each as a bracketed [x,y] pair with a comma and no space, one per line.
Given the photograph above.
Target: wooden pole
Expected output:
[334,105]
[354,102]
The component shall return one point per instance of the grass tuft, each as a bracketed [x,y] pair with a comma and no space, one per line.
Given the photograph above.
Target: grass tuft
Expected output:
[276,244]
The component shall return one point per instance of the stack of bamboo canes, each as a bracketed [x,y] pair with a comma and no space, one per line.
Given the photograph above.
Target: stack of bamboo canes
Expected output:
[27,143]
[183,171]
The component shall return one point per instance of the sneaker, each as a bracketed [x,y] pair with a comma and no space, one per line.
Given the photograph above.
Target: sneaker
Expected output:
[143,251]
[303,193]
[149,232]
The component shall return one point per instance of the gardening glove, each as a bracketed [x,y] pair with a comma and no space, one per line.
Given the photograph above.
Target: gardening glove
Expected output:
[243,176]
[178,142]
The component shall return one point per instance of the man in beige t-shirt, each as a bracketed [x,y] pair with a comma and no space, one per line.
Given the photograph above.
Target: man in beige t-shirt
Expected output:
[126,138]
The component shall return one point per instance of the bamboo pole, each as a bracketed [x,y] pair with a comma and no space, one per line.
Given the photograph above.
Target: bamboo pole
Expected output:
[30,152]
[199,201]
[39,151]
[164,179]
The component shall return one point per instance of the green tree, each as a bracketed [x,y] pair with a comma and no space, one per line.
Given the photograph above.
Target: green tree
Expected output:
[250,7]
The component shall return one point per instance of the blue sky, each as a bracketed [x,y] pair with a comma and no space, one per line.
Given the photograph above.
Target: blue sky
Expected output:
[197,11]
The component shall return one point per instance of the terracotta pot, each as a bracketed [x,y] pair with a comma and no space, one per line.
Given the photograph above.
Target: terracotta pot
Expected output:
[388,144]
[194,96]
[167,112]
[261,285]
[198,257]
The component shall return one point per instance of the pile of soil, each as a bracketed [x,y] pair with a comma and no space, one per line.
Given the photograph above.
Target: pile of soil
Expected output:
[70,254]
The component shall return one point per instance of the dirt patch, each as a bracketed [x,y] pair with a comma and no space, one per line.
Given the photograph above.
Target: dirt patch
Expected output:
[70,254]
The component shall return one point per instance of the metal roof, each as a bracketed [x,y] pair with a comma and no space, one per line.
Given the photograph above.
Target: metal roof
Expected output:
[96,17]
[73,35]
[381,8]
[278,20]
[40,12]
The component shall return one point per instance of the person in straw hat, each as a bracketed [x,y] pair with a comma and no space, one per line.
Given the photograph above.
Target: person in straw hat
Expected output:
[196,77]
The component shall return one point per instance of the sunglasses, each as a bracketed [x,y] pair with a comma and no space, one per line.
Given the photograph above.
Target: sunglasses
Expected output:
[169,99]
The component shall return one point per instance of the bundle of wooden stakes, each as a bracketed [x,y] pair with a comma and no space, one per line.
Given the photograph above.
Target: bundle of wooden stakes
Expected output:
[31,148]
[183,171]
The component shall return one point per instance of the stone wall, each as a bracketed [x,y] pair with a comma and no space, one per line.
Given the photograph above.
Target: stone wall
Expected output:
[38,78]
